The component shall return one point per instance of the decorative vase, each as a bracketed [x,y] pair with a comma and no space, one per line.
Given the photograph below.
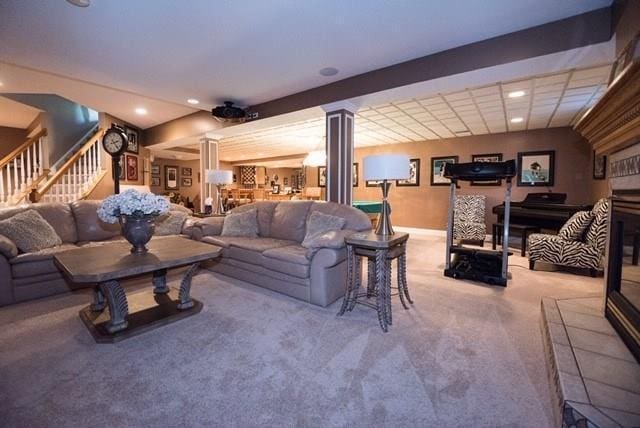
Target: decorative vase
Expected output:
[138,230]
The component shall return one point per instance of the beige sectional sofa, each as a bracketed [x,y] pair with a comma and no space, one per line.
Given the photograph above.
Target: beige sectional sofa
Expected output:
[276,258]
[31,275]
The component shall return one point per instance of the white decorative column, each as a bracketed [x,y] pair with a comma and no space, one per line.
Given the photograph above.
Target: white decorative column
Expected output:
[208,160]
[339,145]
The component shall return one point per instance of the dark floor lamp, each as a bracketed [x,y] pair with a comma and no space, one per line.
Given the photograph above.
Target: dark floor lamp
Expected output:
[383,168]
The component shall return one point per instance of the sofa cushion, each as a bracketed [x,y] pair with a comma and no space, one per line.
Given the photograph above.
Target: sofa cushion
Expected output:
[597,233]
[57,214]
[170,223]
[256,244]
[265,214]
[88,225]
[575,227]
[244,224]
[7,247]
[556,250]
[289,220]
[319,223]
[354,218]
[290,260]
[29,231]
[37,262]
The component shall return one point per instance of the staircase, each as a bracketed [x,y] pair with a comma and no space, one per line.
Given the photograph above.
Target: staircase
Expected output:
[22,170]
[77,176]
[23,177]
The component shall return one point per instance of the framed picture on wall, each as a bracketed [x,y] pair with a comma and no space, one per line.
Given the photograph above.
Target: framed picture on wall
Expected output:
[275,189]
[155,169]
[599,167]
[132,167]
[414,174]
[187,181]
[491,157]
[132,137]
[285,181]
[171,177]
[121,169]
[372,183]
[536,168]
[155,181]
[356,176]
[437,169]
[322,176]
[187,172]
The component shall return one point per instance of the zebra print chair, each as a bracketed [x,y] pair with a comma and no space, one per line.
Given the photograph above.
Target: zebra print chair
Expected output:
[468,218]
[572,246]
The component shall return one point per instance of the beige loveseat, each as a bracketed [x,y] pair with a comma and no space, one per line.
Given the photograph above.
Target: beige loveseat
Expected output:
[276,259]
[31,275]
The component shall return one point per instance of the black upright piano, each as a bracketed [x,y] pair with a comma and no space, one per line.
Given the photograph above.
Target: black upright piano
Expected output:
[543,210]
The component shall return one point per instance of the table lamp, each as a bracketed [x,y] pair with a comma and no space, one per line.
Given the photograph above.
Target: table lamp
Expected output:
[386,167]
[219,178]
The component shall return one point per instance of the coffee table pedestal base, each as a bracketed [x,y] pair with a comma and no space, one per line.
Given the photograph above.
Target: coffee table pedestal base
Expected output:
[149,312]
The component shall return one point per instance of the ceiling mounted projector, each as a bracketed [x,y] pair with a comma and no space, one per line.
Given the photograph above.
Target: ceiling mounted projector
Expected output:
[229,113]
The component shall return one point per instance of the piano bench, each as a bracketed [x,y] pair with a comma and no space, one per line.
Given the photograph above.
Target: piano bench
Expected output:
[525,231]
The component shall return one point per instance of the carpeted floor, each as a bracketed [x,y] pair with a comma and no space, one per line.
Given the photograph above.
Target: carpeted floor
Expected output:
[464,355]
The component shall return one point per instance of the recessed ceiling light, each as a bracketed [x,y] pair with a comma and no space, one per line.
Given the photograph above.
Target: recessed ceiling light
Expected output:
[516,94]
[193,101]
[1,84]
[141,111]
[328,71]
[80,3]
[517,120]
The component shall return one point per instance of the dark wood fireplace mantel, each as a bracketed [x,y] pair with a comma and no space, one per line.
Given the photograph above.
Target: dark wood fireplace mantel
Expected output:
[613,123]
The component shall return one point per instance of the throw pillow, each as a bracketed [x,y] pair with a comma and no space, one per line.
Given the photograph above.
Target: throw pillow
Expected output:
[29,231]
[7,247]
[243,224]
[171,223]
[575,227]
[319,223]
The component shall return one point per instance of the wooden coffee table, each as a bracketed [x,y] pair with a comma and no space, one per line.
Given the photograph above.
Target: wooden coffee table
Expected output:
[104,266]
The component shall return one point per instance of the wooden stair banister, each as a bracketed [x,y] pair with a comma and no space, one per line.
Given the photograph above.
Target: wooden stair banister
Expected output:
[21,168]
[79,174]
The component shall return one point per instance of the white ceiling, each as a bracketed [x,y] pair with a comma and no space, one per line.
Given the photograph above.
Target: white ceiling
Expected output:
[550,100]
[16,115]
[158,53]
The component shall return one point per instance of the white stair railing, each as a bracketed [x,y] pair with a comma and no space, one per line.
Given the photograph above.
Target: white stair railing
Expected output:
[21,169]
[77,176]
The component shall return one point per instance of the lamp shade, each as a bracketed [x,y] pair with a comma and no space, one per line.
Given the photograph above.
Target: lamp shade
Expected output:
[219,176]
[388,166]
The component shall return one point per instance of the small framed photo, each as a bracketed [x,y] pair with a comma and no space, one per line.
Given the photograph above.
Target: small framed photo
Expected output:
[155,169]
[322,176]
[171,177]
[599,167]
[491,157]
[132,137]
[155,181]
[285,181]
[275,189]
[373,183]
[355,176]
[437,169]
[187,172]
[132,167]
[536,168]
[187,181]
[414,174]
[121,169]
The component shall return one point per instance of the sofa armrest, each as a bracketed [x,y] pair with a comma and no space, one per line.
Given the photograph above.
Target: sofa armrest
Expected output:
[209,226]
[328,257]
[7,247]
[333,239]
[6,282]
[188,227]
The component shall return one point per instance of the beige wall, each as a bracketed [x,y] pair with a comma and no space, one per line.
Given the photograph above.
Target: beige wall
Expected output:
[187,126]
[281,173]
[426,206]
[10,138]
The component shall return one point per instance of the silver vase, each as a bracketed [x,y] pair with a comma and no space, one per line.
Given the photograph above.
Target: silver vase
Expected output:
[138,230]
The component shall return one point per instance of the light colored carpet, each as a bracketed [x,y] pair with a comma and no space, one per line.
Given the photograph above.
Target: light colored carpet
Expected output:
[464,355]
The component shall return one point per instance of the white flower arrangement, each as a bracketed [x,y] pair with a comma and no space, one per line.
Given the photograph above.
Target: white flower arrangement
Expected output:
[131,203]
